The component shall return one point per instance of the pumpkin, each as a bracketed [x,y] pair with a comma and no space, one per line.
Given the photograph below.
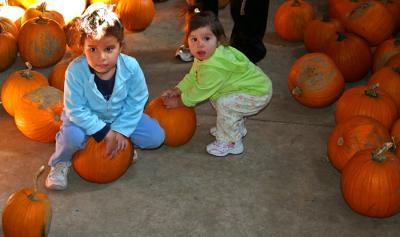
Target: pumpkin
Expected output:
[340,9]
[315,81]
[17,84]
[393,61]
[69,10]
[38,114]
[384,52]
[91,165]
[351,55]
[355,134]
[179,123]
[291,19]
[27,212]
[9,26]
[41,42]
[57,75]
[370,182]
[388,79]
[393,7]
[372,21]
[319,31]
[368,101]
[41,10]
[73,35]
[8,49]
[135,15]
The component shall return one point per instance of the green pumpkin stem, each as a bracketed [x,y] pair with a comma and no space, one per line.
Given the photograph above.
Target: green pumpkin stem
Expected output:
[297,91]
[32,196]
[341,36]
[371,92]
[28,72]
[396,70]
[379,154]
[295,3]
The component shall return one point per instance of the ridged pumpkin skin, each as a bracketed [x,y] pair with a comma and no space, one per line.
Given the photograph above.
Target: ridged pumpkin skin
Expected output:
[384,52]
[41,42]
[179,124]
[8,49]
[17,84]
[27,213]
[319,31]
[340,9]
[363,100]
[393,61]
[9,26]
[389,81]
[372,21]
[91,165]
[371,187]
[38,115]
[351,55]
[291,19]
[355,134]
[135,15]
[315,81]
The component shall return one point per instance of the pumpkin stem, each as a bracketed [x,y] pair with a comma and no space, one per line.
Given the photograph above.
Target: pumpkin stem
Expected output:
[297,91]
[340,141]
[371,92]
[28,72]
[326,18]
[295,3]
[341,36]
[41,20]
[379,154]
[2,29]
[396,70]
[32,196]
[42,7]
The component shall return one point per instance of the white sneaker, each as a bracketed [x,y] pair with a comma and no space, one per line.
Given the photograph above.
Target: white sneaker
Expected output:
[58,176]
[184,54]
[243,131]
[135,156]
[220,148]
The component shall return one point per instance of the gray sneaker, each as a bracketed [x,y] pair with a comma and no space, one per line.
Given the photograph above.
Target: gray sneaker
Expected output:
[184,54]
[221,148]
[58,176]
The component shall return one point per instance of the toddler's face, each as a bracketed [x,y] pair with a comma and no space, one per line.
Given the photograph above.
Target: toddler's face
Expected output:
[202,43]
[102,54]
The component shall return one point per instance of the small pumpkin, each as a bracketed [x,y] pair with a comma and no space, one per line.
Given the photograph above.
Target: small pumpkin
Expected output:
[41,10]
[315,81]
[8,49]
[19,83]
[91,165]
[38,115]
[27,212]
[385,51]
[135,15]
[178,123]
[370,182]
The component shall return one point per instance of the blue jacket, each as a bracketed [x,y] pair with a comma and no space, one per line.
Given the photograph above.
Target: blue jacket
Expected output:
[85,106]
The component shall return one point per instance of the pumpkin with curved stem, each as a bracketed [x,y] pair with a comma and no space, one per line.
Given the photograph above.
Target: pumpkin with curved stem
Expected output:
[19,83]
[91,165]
[370,182]
[41,10]
[38,114]
[368,101]
[384,52]
[179,123]
[315,81]
[291,19]
[135,15]
[8,49]
[27,212]
[41,42]
[355,134]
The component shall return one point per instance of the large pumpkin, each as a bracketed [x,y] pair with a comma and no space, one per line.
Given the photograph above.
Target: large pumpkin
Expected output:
[368,101]
[38,114]
[315,81]
[41,42]
[27,212]
[19,83]
[135,15]
[91,165]
[355,134]
[178,123]
[370,182]
[291,19]
[8,49]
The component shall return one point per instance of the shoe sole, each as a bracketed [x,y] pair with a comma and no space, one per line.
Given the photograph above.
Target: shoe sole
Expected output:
[55,187]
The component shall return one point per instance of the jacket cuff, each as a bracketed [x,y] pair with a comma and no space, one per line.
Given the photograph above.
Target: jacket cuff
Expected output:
[99,136]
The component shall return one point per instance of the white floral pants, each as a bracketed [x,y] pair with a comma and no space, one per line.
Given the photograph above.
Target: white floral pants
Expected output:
[231,111]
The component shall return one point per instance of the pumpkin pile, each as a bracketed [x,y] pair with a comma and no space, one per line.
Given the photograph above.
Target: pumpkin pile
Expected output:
[356,41]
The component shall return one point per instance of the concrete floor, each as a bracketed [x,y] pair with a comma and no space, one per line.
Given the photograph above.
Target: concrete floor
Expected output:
[283,185]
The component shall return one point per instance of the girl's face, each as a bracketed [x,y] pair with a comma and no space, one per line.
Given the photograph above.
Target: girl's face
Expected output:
[202,43]
[102,54]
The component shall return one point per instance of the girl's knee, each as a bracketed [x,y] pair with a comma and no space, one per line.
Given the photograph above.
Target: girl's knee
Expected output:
[72,136]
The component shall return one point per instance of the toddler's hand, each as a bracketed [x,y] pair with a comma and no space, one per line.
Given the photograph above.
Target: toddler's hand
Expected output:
[172,92]
[172,102]
[115,143]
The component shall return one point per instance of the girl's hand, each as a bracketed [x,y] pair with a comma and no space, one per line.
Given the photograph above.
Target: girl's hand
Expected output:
[172,102]
[115,142]
[172,92]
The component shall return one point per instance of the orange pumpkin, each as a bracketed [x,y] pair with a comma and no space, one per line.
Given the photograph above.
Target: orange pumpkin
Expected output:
[38,115]
[57,75]
[73,9]
[315,81]
[393,61]
[367,101]
[179,123]
[19,83]
[73,36]
[351,55]
[370,182]
[9,26]
[41,10]
[135,15]
[41,42]
[340,9]
[393,7]
[8,49]
[355,134]
[27,212]
[291,19]
[384,52]
[91,165]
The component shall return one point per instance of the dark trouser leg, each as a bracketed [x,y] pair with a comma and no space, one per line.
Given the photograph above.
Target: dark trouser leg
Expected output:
[249,29]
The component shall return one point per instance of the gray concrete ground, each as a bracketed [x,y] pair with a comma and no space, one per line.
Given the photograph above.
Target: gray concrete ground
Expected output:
[283,185]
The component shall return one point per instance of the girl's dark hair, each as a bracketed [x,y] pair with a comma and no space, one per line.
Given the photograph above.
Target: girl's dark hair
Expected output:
[203,19]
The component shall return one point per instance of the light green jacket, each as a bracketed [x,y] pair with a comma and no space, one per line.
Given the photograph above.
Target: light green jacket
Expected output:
[227,71]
